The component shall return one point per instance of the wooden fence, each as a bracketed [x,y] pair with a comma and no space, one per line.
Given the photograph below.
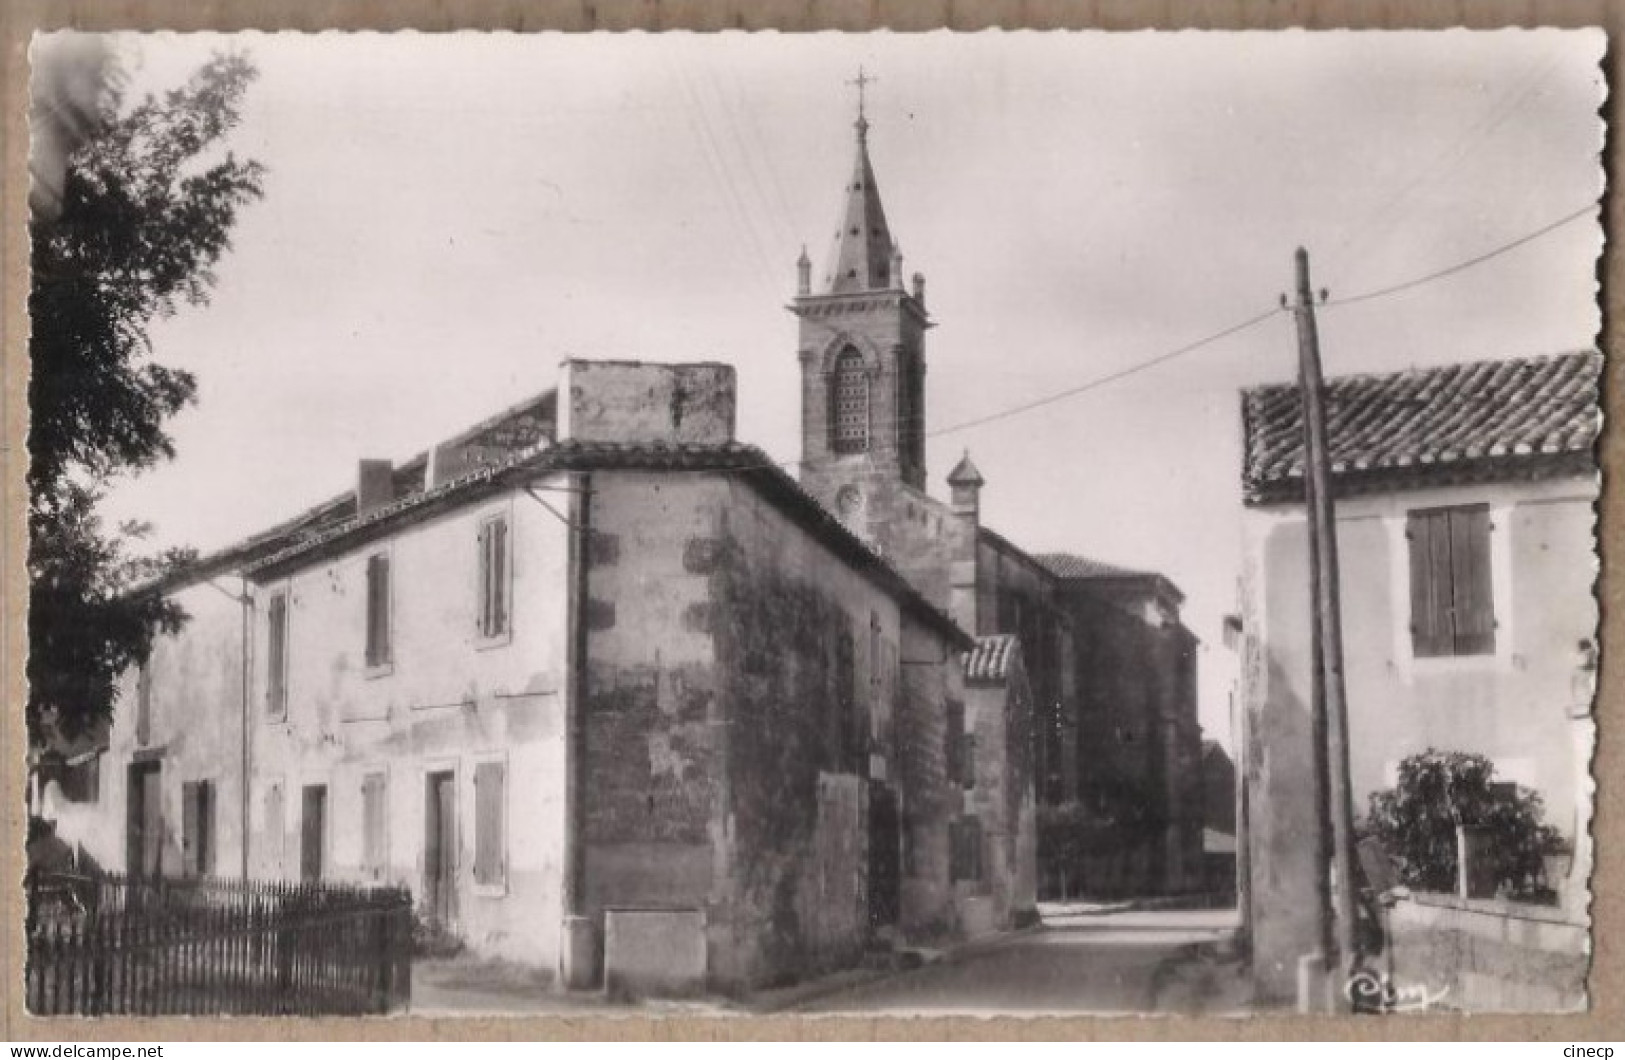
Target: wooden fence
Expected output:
[117,946]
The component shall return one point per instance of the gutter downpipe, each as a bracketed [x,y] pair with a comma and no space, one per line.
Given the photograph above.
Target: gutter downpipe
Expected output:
[246,604]
[578,952]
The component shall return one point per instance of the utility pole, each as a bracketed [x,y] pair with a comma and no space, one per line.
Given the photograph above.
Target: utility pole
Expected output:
[1328,627]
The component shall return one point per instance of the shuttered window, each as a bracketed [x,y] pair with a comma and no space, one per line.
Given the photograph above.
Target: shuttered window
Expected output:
[849,404]
[851,731]
[967,760]
[493,577]
[143,703]
[1452,602]
[490,824]
[374,826]
[378,646]
[197,828]
[276,655]
[954,744]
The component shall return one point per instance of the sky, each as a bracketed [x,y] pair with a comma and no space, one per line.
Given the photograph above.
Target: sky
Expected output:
[449,216]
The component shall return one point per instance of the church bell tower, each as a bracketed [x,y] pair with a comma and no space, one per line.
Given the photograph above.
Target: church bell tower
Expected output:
[862,350]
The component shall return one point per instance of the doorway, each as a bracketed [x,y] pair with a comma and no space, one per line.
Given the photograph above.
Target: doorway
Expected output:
[144,823]
[312,831]
[885,857]
[440,846]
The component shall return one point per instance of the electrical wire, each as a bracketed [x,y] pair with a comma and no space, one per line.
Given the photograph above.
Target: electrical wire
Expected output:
[1461,266]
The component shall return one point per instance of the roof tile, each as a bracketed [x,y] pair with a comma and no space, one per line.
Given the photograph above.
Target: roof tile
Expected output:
[1487,418]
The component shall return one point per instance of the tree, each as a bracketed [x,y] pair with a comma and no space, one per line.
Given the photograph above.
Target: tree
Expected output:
[1416,821]
[147,204]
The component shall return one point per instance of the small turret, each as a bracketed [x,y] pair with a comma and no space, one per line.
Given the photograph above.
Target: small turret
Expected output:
[965,487]
[919,288]
[803,274]
[896,267]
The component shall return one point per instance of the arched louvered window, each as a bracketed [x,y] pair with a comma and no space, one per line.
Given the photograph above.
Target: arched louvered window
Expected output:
[849,404]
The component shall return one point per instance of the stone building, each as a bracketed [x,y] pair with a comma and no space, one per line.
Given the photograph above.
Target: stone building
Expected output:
[1109,667]
[1466,537]
[608,690]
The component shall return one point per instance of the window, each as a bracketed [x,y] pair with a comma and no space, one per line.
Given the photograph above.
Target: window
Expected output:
[851,722]
[374,826]
[276,655]
[967,760]
[490,824]
[143,703]
[313,832]
[1452,605]
[197,828]
[492,617]
[965,849]
[849,404]
[378,649]
[954,744]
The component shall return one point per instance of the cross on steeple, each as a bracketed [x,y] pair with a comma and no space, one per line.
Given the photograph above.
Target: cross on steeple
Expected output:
[862,81]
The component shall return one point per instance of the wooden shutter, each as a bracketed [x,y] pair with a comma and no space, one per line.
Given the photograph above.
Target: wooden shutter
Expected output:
[489,778]
[205,827]
[276,655]
[372,825]
[953,746]
[493,577]
[143,703]
[967,761]
[1472,602]
[1428,535]
[312,830]
[499,577]
[189,829]
[377,610]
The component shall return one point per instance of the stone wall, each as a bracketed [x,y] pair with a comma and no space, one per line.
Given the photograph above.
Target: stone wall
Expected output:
[807,656]
[654,726]
[1490,956]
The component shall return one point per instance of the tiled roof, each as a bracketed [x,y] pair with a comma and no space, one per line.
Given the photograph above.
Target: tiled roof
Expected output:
[747,460]
[1068,565]
[990,659]
[1460,422]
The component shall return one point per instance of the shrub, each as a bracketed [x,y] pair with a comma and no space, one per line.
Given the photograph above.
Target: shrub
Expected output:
[1416,821]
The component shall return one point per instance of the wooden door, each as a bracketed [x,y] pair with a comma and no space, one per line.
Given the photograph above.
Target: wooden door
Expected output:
[144,820]
[885,857]
[440,846]
[312,830]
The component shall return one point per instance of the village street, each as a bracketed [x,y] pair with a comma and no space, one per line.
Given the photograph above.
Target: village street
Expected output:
[1170,962]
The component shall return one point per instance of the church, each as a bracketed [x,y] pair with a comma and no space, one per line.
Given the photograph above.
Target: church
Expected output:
[615,694]
[1112,668]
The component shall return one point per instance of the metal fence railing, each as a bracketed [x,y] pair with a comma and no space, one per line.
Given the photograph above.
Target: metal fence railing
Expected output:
[111,945]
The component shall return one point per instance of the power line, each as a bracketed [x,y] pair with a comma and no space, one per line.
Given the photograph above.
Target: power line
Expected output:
[1113,377]
[1460,266]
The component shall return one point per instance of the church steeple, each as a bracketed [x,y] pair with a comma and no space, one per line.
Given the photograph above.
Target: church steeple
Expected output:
[861,256]
[862,352]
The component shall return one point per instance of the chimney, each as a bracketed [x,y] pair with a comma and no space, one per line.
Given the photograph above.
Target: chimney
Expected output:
[639,403]
[965,499]
[374,486]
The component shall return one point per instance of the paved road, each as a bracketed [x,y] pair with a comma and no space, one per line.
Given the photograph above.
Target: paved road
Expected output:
[1125,962]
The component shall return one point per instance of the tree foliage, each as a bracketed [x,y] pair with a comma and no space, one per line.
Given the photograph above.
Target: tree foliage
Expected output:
[1115,816]
[1437,790]
[149,199]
